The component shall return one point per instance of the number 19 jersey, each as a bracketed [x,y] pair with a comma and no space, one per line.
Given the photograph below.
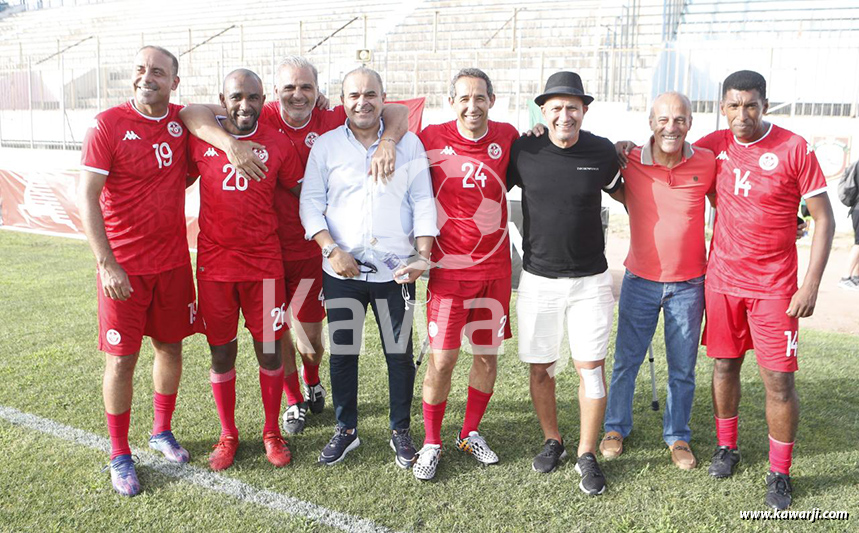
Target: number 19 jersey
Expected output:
[238,226]
[758,189]
[143,200]
[468,178]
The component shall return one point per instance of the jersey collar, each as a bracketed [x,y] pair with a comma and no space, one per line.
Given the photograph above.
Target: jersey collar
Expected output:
[147,117]
[485,133]
[221,118]
[753,142]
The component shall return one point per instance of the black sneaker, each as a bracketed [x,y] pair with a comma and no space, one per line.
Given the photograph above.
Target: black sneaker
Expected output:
[778,490]
[547,460]
[293,418]
[339,445]
[724,461]
[401,442]
[314,397]
[593,481]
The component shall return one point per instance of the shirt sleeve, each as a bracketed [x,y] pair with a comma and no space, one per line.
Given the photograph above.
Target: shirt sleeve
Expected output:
[290,172]
[809,176]
[613,181]
[710,141]
[314,192]
[193,169]
[513,178]
[97,149]
[421,194]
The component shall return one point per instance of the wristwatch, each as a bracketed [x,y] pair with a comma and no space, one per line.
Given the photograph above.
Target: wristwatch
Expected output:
[326,250]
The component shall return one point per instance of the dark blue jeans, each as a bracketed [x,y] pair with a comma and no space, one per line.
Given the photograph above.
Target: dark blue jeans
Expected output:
[346,304]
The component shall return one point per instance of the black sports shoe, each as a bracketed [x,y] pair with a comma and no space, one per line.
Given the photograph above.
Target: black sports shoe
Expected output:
[293,418]
[401,442]
[593,480]
[314,397]
[547,460]
[339,445]
[724,461]
[778,490]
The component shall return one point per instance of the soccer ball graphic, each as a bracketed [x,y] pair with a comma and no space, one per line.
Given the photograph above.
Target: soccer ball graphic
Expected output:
[474,211]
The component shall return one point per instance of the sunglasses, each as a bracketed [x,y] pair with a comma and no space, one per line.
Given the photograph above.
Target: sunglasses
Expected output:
[370,267]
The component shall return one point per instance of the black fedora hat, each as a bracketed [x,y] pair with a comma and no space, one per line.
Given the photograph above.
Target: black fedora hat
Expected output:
[564,83]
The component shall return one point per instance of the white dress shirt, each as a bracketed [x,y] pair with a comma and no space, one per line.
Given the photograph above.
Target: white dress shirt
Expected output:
[365,218]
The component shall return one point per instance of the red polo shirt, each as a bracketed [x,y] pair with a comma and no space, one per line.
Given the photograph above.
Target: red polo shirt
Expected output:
[666,213]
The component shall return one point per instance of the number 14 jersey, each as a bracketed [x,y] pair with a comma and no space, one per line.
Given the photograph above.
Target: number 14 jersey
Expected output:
[758,189]
[238,226]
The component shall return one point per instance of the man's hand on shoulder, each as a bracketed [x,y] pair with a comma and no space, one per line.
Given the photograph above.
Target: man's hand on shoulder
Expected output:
[322,102]
[384,161]
[623,148]
[538,130]
[241,154]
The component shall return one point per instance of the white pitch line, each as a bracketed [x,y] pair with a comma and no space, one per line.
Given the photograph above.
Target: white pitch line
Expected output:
[199,476]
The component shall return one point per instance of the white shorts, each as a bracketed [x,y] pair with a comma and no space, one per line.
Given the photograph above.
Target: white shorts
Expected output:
[586,303]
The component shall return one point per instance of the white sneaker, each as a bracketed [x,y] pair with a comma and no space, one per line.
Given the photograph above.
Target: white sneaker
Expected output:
[427,462]
[476,446]
[293,418]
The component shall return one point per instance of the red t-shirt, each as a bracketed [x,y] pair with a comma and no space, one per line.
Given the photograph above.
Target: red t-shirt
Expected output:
[238,226]
[666,213]
[469,181]
[290,230]
[758,189]
[143,200]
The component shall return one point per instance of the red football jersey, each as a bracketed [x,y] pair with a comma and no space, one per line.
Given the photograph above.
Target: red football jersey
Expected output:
[238,226]
[758,189]
[143,200]
[290,230]
[469,182]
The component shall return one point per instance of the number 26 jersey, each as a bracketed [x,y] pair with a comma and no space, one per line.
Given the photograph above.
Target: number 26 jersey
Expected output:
[238,225]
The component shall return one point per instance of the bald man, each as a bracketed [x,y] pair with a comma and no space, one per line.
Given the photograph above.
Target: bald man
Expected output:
[239,264]
[665,184]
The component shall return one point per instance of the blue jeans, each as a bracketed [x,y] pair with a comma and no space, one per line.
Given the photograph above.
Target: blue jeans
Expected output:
[638,313]
[346,302]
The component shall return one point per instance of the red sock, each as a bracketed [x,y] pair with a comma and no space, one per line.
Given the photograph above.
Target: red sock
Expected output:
[224,391]
[475,406]
[270,383]
[164,405]
[433,416]
[781,456]
[292,389]
[726,431]
[117,427]
[311,374]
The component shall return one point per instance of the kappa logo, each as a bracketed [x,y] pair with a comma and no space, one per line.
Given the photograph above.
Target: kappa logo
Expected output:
[311,138]
[130,136]
[211,152]
[808,148]
[448,151]
[113,337]
[768,161]
[494,150]
[174,128]
[723,155]
[262,154]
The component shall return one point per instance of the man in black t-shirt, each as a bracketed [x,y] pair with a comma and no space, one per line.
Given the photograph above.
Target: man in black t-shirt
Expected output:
[565,276]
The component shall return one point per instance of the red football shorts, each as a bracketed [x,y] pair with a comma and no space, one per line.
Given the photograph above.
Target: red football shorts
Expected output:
[480,309]
[162,306]
[263,304]
[736,324]
[304,289]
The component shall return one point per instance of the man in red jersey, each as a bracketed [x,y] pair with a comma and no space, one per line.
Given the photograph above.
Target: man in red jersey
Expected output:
[762,172]
[239,264]
[132,203]
[301,122]
[470,289]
